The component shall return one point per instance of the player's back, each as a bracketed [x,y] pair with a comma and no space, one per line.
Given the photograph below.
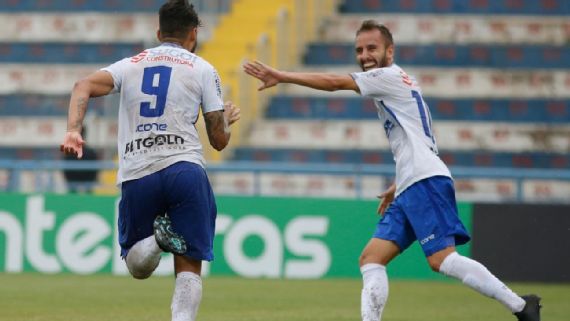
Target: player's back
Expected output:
[162,89]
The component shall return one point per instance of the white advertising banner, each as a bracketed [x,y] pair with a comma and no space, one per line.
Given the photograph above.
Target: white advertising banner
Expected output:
[49,131]
[458,29]
[466,83]
[86,27]
[450,135]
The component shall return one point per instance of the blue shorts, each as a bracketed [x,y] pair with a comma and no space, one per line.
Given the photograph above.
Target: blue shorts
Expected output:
[181,190]
[427,212]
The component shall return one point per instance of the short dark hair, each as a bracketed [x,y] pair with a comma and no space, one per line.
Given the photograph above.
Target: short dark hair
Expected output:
[368,25]
[177,18]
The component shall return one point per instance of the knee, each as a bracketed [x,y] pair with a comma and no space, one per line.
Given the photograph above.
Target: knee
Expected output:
[434,265]
[362,259]
[139,274]
[436,260]
[366,258]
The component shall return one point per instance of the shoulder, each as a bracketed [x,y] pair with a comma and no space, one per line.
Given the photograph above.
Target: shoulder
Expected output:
[385,72]
[203,64]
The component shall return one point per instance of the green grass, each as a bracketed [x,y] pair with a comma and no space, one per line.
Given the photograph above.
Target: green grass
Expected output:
[33,297]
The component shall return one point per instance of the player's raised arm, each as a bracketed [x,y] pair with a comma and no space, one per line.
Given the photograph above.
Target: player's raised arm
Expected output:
[321,81]
[97,84]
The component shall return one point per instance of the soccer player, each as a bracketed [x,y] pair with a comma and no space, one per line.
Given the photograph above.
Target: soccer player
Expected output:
[161,166]
[420,205]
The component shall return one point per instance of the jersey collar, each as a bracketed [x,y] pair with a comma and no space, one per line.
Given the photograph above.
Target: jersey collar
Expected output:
[171,44]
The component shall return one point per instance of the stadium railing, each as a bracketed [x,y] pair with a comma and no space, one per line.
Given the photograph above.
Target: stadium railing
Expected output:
[15,169]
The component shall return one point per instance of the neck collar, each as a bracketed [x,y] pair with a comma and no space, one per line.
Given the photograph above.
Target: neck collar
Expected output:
[172,44]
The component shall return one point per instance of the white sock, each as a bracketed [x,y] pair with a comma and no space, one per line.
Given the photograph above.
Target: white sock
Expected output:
[374,291]
[143,258]
[477,277]
[187,296]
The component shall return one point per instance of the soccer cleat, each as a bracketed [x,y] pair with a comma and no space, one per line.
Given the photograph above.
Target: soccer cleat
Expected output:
[531,310]
[167,239]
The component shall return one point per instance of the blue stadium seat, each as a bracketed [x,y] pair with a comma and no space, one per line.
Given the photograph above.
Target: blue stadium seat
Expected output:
[30,153]
[70,53]
[488,56]
[503,110]
[536,7]
[451,158]
[42,105]
[115,6]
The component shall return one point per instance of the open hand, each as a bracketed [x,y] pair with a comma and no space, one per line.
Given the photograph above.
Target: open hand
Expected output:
[232,113]
[269,76]
[72,144]
[387,197]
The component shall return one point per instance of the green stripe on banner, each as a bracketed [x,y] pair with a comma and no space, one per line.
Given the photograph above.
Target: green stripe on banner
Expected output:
[318,238]
[255,237]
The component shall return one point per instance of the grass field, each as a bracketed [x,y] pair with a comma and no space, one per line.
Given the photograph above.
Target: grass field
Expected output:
[32,297]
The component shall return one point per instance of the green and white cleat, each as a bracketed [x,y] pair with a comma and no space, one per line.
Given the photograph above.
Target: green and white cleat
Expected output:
[167,239]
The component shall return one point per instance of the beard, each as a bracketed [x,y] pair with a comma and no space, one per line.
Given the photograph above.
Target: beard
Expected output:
[381,63]
[193,50]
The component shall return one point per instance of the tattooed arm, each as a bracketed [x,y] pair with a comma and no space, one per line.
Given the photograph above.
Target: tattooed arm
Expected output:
[218,125]
[97,84]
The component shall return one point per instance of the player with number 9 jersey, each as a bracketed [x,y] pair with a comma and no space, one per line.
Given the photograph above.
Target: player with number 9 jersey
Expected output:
[167,203]
[161,90]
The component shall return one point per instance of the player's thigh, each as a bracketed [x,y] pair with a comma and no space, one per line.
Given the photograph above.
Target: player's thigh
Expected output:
[431,210]
[192,208]
[141,201]
[379,251]
[392,236]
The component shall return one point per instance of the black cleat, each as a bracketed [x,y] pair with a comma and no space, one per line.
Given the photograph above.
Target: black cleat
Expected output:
[531,311]
[167,239]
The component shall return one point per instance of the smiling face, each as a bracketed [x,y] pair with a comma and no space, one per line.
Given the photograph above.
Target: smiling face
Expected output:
[371,50]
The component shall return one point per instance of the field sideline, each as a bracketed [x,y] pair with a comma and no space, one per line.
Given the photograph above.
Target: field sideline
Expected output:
[33,297]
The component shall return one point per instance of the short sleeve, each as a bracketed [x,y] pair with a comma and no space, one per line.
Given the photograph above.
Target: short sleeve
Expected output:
[212,90]
[377,83]
[117,71]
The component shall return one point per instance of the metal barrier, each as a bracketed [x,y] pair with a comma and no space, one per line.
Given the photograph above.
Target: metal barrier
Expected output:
[46,171]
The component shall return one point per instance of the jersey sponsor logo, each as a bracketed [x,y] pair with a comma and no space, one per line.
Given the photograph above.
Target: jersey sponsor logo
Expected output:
[405,78]
[170,59]
[427,239]
[143,145]
[218,84]
[138,58]
[171,55]
[151,126]
[375,73]
[388,126]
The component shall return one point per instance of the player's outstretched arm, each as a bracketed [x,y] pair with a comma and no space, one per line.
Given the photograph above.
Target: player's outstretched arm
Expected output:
[97,84]
[321,81]
[218,125]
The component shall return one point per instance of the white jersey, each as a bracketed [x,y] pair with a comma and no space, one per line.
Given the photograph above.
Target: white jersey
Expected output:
[407,123]
[162,90]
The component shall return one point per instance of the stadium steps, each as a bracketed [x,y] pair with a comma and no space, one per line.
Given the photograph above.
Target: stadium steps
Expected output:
[230,44]
[107,182]
[263,30]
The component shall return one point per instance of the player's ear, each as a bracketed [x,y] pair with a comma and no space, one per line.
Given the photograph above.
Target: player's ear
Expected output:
[159,35]
[390,52]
